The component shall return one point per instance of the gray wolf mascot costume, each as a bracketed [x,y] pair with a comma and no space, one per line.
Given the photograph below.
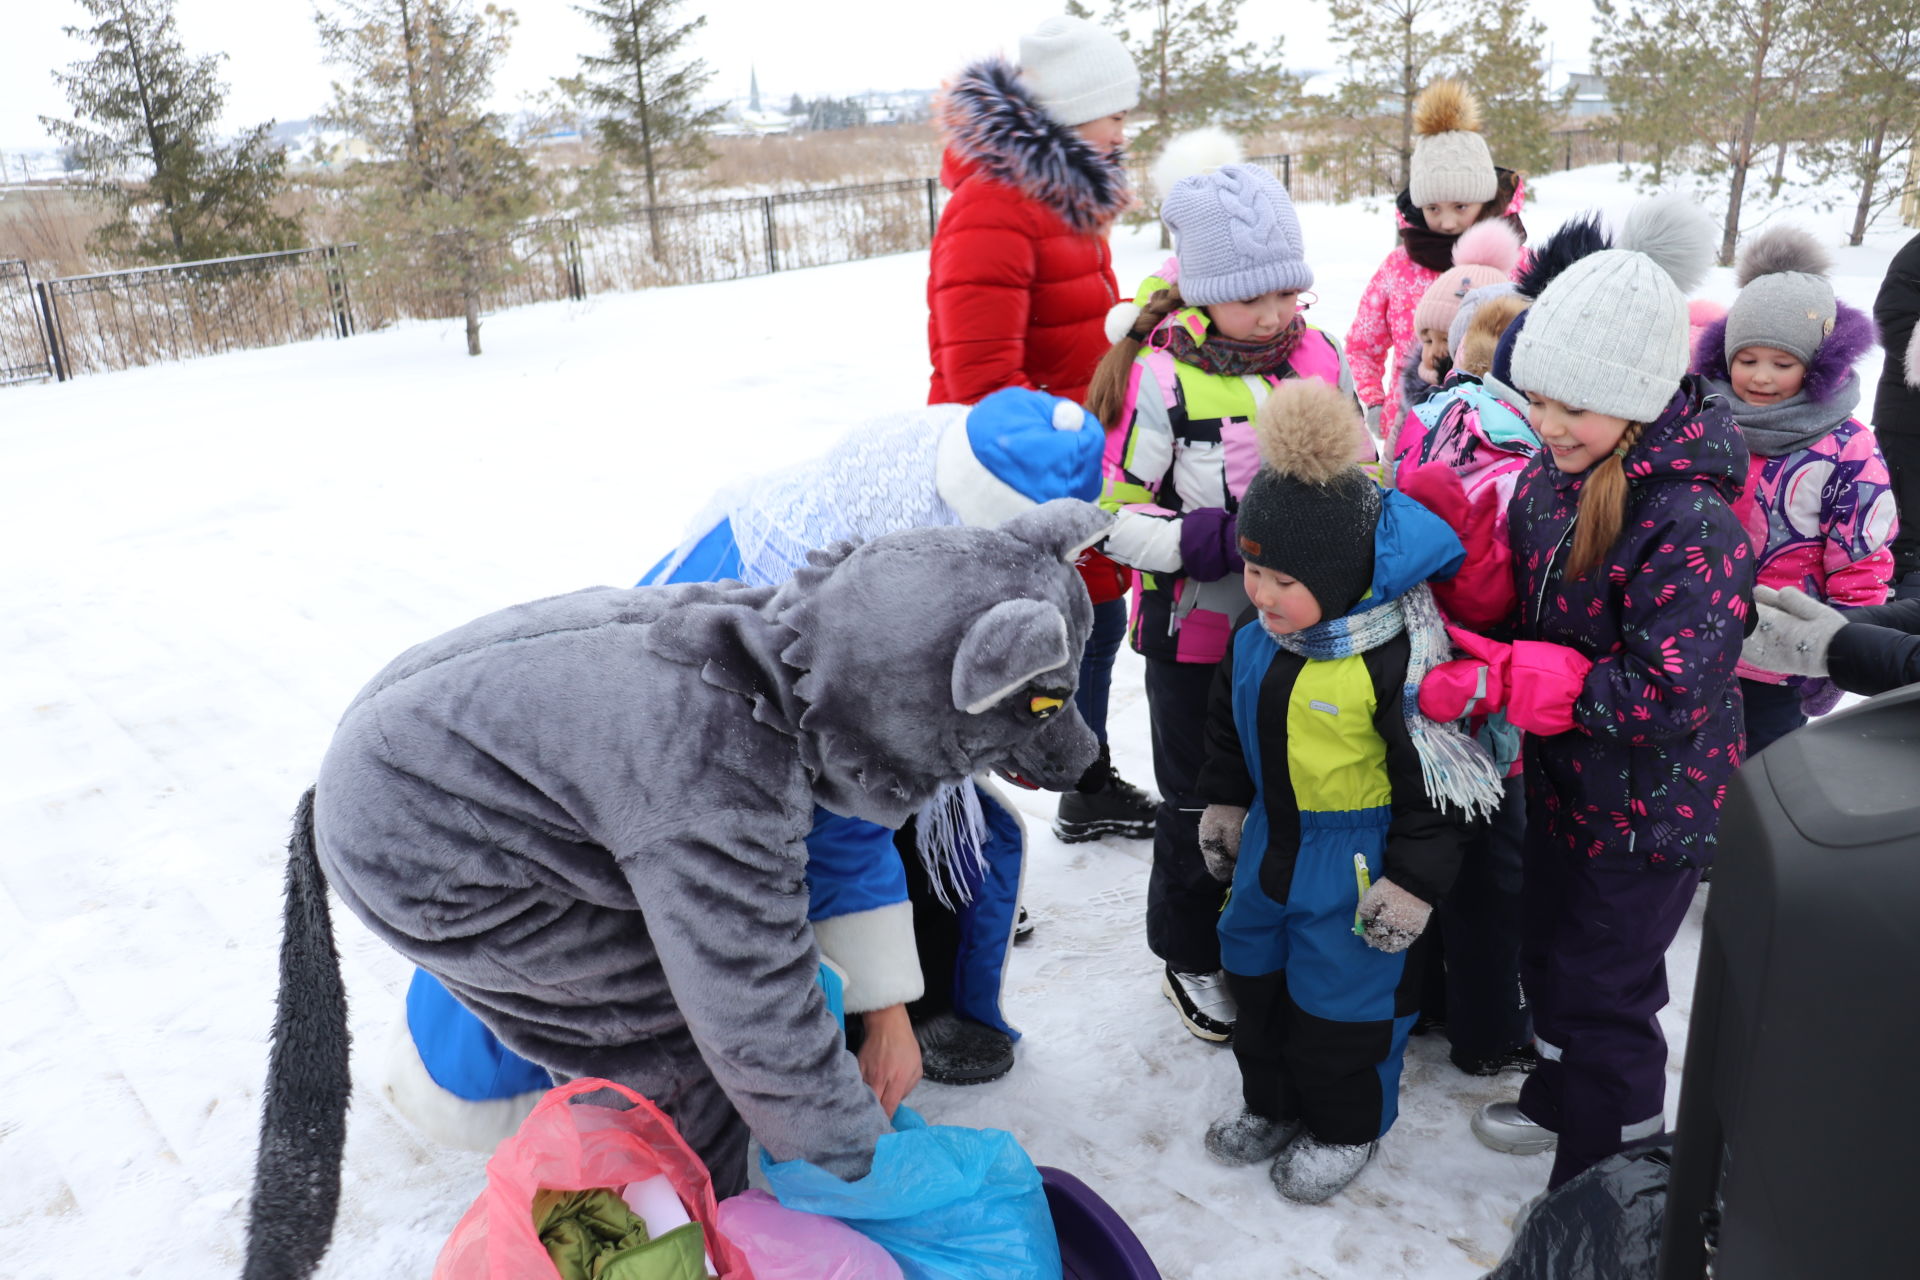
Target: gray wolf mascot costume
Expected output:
[587,817]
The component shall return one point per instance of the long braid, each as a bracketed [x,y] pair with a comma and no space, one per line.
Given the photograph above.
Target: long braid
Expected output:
[1107,393]
[1603,506]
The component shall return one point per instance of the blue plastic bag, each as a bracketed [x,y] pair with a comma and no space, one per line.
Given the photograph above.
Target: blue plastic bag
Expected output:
[948,1203]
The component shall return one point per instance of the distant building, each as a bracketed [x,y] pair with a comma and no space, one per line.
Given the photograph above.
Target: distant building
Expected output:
[1590,97]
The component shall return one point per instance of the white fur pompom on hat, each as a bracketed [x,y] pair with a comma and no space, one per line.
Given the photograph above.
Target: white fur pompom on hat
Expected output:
[1195,152]
[1675,233]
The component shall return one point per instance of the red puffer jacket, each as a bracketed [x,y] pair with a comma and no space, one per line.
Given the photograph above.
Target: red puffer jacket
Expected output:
[1021,276]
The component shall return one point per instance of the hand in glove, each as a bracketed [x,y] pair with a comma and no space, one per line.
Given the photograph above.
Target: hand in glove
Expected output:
[1535,683]
[1210,544]
[1372,413]
[1390,917]
[1793,634]
[1480,593]
[1220,838]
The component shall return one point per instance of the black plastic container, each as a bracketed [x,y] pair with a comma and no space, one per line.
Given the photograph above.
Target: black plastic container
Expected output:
[1799,1129]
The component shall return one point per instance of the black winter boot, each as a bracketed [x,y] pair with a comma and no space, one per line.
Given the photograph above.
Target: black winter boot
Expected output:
[957,1050]
[1103,803]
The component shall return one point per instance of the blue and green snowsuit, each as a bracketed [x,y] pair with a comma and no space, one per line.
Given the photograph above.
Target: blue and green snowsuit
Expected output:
[1319,754]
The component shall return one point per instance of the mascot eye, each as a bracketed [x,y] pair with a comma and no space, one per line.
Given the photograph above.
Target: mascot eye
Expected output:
[1043,703]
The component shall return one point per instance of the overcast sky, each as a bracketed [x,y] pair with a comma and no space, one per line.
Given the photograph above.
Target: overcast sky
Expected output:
[811,47]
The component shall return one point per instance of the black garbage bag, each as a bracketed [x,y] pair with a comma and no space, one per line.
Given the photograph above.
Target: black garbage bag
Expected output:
[1603,1225]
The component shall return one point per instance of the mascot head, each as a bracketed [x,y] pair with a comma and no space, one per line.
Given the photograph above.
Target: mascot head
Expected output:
[935,654]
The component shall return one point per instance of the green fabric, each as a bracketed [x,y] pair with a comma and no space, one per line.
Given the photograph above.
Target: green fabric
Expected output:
[1335,754]
[593,1235]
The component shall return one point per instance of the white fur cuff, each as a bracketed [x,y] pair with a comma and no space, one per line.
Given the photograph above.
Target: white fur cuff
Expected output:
[445,1117]
[874,951]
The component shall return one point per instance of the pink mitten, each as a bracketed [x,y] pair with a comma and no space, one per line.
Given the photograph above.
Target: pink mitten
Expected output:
[1478,685]
[1543,682]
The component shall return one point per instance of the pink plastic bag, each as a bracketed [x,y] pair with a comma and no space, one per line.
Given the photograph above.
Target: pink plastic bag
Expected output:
[786,1244]
[576,1148]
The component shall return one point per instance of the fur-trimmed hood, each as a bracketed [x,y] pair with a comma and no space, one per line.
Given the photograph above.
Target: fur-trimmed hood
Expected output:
[994,126]
[1852,337]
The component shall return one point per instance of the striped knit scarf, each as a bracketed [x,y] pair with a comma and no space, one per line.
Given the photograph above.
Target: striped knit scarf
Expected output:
[1456,769]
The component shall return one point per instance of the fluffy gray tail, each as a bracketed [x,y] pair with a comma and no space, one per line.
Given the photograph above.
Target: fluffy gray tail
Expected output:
[303,1127]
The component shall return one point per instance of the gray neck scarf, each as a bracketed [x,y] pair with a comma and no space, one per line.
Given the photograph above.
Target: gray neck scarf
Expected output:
[1795,422]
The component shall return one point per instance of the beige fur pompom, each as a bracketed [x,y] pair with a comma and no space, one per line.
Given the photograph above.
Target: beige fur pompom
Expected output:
[1446,106]
[1307,429]
[1483,333]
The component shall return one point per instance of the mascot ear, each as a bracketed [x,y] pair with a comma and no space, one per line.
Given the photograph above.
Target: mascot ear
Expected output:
[1005,648]
[1064,527]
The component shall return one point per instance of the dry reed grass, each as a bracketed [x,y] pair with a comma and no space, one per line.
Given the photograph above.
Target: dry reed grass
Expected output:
[50,226]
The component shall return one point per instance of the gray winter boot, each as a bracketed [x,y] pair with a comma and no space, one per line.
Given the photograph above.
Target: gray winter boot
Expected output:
[1311,1171]
[1504,1127]
[1241,1137]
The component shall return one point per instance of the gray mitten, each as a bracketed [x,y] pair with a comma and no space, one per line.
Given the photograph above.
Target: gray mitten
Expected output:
[1390,917]
[1220,838]
[1793,634]
[1373,420]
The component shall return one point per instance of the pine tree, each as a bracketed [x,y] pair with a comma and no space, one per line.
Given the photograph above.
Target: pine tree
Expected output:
[1705,81]
[644,94]
[1874,90]
[1393,48]
[448,190]
[144,114]
[1505,54]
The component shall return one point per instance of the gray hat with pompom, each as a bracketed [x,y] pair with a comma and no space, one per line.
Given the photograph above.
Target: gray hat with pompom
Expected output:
[1611,332]
[1786,301]
[1236,236]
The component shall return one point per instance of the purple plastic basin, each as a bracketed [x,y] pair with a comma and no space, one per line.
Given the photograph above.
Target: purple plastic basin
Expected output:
[1095,1243]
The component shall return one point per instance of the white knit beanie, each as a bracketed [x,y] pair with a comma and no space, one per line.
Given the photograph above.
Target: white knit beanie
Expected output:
[1611,333]
[1077,71]
[1450,158]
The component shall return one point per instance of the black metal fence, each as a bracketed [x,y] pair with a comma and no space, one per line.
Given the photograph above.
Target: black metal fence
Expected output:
[24,353]
[120,319]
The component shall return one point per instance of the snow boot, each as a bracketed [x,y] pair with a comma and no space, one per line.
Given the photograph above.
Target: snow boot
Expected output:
[957,1050]
[1504,1127]
[1204,1002]
[1311,1171]
[1104,804]
[1242,1137]
[1022,926]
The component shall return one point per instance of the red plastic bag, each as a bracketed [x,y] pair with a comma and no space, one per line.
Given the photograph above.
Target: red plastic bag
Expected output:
[576,1148]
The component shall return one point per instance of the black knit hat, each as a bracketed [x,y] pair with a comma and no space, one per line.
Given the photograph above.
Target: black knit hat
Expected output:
[1310,511]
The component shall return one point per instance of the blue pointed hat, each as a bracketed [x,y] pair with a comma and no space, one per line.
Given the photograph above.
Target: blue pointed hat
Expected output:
[1017,448]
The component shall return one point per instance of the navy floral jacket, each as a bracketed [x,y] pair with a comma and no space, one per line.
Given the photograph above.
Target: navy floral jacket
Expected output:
[1658,727]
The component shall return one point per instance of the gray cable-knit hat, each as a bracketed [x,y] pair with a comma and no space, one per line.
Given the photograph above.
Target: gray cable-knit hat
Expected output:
[1236,236]
[1077,71]
[1450,158]
[1610,333]
[1786,301]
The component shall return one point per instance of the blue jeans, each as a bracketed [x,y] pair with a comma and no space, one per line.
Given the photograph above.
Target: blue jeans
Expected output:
[1096,664]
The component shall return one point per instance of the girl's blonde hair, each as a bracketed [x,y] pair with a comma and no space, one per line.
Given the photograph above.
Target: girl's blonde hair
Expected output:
[1107,393]
[1603,507]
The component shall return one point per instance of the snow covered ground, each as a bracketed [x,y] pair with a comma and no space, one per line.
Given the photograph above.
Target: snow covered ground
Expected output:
[206,560]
